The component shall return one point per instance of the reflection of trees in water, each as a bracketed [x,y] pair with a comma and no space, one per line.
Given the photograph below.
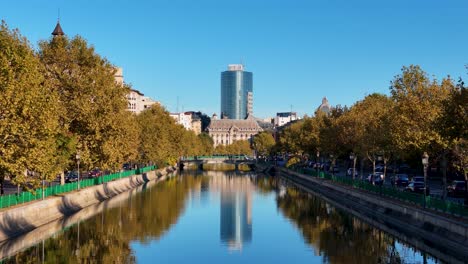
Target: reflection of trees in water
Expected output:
[106,237]
[337,236]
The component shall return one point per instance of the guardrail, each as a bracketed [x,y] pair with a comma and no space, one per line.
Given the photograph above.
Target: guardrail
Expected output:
[230,157]
[24,197]
[418,199]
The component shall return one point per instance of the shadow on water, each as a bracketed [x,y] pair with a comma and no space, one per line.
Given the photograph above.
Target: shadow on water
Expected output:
[345,236]
[102,233]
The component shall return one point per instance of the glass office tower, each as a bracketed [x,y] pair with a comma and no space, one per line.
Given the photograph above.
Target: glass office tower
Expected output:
[236,92]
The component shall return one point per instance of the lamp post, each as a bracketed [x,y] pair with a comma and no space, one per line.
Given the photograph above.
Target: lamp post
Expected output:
[317,163]
[78,157]
[425,162]
[353,158]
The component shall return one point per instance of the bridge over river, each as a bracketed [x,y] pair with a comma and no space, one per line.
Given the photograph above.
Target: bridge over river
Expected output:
[199,161]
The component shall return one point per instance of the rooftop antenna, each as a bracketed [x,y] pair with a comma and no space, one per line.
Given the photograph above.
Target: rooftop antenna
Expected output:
[58,15]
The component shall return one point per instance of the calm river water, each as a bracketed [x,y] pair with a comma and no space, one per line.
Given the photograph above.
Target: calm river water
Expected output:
[219,217]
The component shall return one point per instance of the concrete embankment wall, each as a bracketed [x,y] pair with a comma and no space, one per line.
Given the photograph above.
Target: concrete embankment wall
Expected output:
[22,219]
[10,247]
[449,234]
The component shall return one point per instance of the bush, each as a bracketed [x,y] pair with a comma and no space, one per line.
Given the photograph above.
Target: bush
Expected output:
[293,161]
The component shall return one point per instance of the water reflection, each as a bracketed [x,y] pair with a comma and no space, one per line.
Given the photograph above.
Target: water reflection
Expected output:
[236,208]
[338,236]
[106,237]
[177,220]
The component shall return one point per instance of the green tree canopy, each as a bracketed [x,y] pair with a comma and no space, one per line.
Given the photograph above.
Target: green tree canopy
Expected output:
[28,113]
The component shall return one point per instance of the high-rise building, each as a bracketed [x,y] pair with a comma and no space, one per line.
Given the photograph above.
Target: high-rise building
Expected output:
[236,92]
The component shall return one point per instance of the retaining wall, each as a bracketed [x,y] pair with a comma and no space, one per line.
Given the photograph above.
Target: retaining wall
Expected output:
[24,218]
[430,226]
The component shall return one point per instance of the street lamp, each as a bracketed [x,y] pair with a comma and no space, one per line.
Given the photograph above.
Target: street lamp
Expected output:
[425,162]
[78,157]
[317,163]
[353,158]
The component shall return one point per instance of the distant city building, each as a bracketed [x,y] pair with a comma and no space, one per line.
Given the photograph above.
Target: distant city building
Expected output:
[226,131]
[284,118]
[137,101]
[189,120]
[184,119]
[236,92]
[118,75]
[325,106]
[197,126]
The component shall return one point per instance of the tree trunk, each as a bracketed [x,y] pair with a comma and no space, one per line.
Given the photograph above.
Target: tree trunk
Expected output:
[384,169]
[444,175]
[354,167]
[2,191]
[466,187]
[362,168]
[62,178]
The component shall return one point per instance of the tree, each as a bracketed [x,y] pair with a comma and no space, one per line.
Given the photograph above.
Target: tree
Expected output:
[155,136]
[453,127]
[328,134]
[206,144]
[263,143]
[375,140]
[93,103]
[28,114]
[418,106]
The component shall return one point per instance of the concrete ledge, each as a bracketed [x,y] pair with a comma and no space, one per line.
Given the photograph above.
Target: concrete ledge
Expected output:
[22,219]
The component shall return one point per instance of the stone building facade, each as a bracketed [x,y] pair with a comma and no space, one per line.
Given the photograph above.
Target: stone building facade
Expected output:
[226,131]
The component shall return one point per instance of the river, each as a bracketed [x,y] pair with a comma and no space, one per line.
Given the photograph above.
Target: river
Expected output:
[219,217]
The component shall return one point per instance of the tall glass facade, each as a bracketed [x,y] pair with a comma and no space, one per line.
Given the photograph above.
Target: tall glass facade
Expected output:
[236,84]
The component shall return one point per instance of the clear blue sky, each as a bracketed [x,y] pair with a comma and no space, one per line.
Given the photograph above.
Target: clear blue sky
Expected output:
[299,51]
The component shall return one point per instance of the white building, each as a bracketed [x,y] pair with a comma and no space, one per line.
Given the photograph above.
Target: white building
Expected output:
[284,118]
[184,119]
[137,101]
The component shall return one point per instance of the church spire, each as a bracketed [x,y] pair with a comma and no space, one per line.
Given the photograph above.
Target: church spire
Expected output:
[58,30]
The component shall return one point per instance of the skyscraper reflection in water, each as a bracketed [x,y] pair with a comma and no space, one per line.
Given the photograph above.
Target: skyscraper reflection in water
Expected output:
[235,211]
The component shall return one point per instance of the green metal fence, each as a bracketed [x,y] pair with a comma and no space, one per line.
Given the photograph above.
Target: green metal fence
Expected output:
[24,197]
[415,198]
[235,157]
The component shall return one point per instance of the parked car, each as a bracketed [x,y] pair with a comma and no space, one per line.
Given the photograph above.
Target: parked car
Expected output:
[71,176]
[127,166]
[95,173]
[403,168]
[401,180]
[418,179]
[375,179]
[456,188]
[350,172]
[417,187]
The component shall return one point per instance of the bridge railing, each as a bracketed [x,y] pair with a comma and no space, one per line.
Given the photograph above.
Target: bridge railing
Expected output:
[24,197]
[225,157]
